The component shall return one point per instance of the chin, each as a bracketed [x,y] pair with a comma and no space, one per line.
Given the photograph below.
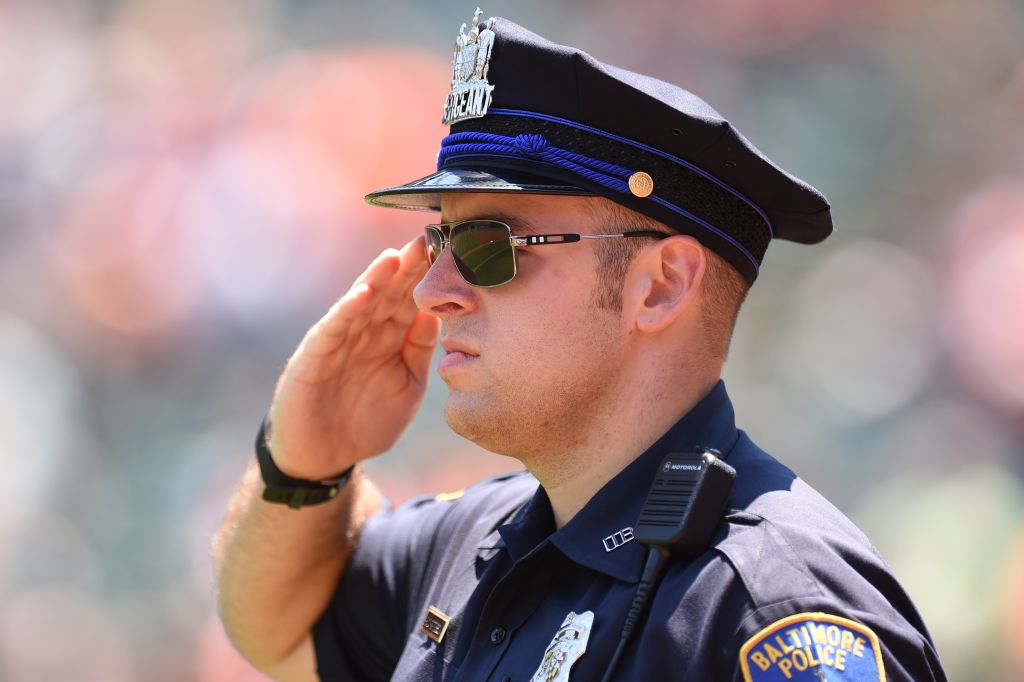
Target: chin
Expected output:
[462,417]
[476,421]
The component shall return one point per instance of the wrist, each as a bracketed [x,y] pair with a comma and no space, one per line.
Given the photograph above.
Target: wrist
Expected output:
[280,488]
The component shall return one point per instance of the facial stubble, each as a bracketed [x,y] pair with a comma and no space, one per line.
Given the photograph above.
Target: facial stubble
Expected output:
[540,403]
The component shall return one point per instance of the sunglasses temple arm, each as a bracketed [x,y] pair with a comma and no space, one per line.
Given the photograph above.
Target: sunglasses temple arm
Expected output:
[539,239]
[637,233]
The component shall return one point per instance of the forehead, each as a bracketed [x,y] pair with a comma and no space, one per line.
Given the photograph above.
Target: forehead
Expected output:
[533,212]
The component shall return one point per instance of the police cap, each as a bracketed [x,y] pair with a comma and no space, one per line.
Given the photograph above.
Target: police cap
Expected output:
[529,115]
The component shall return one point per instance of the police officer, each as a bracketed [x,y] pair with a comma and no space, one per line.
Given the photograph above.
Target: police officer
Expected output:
[599,230]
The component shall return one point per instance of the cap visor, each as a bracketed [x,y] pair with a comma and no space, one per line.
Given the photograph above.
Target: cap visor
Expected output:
[425,194]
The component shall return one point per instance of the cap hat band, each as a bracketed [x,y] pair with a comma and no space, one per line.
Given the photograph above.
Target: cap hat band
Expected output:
[536,147]
[605,162]
[645,147]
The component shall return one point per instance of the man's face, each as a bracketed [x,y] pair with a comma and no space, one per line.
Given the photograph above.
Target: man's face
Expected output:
[527,363]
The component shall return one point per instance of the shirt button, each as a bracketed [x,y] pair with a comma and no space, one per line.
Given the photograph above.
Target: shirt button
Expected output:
[497,635]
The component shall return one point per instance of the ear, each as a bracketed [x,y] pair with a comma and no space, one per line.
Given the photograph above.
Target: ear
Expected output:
[663,282]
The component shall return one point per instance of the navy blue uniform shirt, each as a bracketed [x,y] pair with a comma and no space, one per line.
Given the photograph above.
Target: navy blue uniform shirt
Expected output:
[788,589]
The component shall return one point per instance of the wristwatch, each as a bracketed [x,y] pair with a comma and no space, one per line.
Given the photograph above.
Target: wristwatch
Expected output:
[294,492]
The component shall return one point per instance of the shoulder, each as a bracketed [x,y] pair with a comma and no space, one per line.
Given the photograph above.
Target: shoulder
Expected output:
[465,515]
[785,540]
[490,497]
[791,585]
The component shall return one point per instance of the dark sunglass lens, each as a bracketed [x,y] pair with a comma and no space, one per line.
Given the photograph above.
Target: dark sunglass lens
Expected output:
[483,252]
[434,244]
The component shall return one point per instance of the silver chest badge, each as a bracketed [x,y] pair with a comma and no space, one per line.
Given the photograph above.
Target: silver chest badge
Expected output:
[471,93]
[568,645]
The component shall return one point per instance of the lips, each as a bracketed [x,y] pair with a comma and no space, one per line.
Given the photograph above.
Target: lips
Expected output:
[458,356]
[453,346]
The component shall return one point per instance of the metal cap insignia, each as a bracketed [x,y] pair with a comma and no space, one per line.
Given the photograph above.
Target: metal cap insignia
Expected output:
[471,93]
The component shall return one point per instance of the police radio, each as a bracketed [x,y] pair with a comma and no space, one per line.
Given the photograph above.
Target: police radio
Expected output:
[683,509]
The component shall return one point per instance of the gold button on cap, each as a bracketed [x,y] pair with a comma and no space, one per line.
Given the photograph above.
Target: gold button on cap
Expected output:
[641,184]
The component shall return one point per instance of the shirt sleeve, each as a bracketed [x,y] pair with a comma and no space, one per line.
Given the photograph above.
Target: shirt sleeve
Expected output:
[817,608]
[401,556]
[362,633]
[797,639]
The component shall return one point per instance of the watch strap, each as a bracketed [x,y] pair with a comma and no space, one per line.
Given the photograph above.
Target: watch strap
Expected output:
[294,492]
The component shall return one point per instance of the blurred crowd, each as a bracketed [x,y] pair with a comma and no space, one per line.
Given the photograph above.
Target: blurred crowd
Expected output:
[181,191]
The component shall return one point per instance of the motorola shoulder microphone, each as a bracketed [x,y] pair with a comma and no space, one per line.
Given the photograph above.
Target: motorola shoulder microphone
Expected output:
[683,508]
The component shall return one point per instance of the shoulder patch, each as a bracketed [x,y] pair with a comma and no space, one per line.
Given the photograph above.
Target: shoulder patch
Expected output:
[813,646]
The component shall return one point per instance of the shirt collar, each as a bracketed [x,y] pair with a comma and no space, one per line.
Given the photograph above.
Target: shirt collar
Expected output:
[616,506]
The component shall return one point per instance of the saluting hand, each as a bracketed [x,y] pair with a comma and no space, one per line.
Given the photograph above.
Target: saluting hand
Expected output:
[358,378]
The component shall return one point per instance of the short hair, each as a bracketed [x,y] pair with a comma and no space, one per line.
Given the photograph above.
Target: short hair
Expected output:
[724,289]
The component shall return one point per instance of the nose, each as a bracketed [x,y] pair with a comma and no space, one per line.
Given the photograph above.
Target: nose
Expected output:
[443,292]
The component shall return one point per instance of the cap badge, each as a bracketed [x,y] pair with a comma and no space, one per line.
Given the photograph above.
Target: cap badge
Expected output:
[471,93]
[641,184]
[568,645]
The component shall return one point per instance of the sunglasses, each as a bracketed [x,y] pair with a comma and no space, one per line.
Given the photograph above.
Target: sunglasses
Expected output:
[484,251]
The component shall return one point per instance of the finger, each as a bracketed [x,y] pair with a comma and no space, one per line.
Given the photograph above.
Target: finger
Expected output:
[362,295]
[406,312]
[411,270]
[388,337]
[420,341]
[389,334]
[377,294]
[414,252]
[338,320]
[381,270]
[407,262]
[398,300]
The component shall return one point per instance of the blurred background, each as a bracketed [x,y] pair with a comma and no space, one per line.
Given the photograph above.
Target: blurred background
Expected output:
[181,191]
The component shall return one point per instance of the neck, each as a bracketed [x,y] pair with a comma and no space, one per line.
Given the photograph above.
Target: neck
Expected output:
[572,476]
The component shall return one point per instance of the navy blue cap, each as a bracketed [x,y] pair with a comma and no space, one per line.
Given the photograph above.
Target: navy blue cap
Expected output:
[529,115]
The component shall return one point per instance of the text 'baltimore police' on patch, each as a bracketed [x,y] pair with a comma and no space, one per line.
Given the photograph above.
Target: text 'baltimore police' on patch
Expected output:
[813,646]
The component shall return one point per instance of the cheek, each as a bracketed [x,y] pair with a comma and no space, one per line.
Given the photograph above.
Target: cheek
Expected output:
[549,322]
[559,332]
